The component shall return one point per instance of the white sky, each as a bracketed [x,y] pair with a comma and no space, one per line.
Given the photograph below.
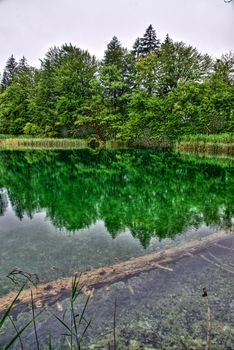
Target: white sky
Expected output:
[31,27]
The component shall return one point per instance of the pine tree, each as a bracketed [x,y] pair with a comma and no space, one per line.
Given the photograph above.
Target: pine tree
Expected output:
[8,72]
[22,63]
[149,42]
[114,53]
[168,40]
[15,99]
[137,47]
[114,43]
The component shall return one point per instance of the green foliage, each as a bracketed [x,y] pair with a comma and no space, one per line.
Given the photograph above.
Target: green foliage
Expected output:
[212,143]
[148,44]
[8,73]
[64,83]
[180,91]
[75,328]
[122,188]
[15,99]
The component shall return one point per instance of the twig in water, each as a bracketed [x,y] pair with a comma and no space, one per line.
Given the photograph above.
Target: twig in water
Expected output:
[115,308]
[18,276]
[34,322]
[209,324]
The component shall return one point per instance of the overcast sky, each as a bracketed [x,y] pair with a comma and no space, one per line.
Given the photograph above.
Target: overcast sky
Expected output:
[31,27]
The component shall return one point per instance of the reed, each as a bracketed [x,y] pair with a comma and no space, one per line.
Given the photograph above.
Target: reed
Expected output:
[24,143]
[75,329]
[221,143]
[78,325]
[19,332]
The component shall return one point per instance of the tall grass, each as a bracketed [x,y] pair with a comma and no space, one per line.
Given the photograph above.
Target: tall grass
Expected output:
[41,143]
[214,138]
[223,160]
[223,143]
[7,316]
[78,325]
[75,329]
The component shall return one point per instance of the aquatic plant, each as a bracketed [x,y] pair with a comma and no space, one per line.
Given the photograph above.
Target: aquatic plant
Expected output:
[40,143]
[74,334]
[7,316]
[223,143]
[74,330]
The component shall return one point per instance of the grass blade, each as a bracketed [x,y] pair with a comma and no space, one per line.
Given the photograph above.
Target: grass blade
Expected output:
[15,328]
[10,307]
[20,332]
[34,323]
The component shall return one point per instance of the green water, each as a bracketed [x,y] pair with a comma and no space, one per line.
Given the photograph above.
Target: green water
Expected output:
[67,211]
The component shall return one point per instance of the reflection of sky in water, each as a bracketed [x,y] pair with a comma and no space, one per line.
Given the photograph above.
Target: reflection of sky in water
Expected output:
[35,245]
[71,211]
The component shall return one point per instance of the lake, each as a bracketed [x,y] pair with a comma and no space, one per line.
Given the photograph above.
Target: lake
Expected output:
[63,211]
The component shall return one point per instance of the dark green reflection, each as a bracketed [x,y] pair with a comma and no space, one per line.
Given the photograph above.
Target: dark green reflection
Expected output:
[152,193]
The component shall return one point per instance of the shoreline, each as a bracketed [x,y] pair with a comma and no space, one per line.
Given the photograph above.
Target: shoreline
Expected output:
[50,293]
[193,146]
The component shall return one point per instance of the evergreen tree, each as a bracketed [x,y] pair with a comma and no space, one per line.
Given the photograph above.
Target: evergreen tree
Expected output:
[146,45]
[22,65]
[137,47]
[8,72]
[168,40]
[149,42]
[111,72]
[15,99]
[114,53]
[114,44]
[113,78]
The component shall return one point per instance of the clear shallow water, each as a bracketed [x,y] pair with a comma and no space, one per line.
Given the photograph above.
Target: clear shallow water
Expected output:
[67,211]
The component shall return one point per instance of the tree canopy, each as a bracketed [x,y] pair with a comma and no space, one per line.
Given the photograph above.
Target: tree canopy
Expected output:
[159,90]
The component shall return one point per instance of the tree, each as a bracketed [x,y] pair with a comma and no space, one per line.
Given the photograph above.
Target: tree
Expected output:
[154,91]
[179,61]
[224,68]
[114,53]
[149,42]
[146,45]
[194,107]
[8,72]
[15,99]
[42,105]
[146,75]
[137,47]
[168,40]
[112,78]
[145,119]
[62,88]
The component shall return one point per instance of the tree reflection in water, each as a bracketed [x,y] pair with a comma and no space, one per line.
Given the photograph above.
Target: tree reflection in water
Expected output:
[150,192]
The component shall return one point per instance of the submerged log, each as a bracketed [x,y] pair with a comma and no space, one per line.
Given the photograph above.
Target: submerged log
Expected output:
[52,292]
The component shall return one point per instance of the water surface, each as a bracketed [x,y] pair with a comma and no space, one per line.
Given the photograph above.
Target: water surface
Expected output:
[67,211]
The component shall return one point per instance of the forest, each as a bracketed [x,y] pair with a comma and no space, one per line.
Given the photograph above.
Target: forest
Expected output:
[159,90]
